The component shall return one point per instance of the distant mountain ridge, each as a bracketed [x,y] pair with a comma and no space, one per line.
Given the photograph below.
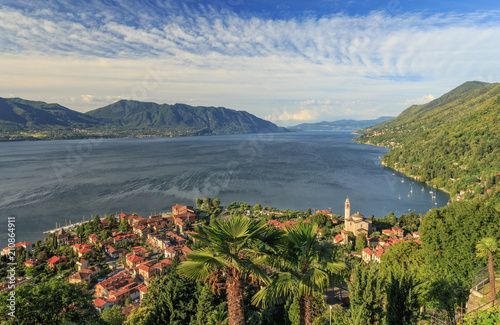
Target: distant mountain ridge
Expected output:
[121,119]
[452,142]
[20,114]
[340,125]
[216,120]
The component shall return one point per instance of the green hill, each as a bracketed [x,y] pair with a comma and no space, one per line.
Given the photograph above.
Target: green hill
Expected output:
[452,142]
[31,120]
[340,125]
[180,117]
[17,114]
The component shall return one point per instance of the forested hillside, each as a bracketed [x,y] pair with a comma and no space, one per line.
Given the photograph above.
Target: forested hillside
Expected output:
[18,114]
[340,125]
[213,120]
[22,119]
[453,142]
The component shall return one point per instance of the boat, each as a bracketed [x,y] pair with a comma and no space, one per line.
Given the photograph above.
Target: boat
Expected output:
[411,190]
[402,181]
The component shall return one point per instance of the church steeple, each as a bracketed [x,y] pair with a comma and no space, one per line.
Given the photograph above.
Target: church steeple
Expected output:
[347,208]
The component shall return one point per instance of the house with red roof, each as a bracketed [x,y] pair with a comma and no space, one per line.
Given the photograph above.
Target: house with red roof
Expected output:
[338,239]
[112,252]
[325,212]
[366,255]
[54,260]
[123,238]
[141,251]
[28,247]
[120,280]
[398,231]
[146,271]
[31,262]
[133,260]
[93,239]
[101,304]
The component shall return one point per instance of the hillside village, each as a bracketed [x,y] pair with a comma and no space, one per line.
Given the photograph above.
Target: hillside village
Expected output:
[119,260]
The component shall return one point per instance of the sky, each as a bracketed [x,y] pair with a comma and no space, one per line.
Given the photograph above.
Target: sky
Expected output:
[286,61]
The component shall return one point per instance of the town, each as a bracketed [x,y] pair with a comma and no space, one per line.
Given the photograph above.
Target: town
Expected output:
[116,257]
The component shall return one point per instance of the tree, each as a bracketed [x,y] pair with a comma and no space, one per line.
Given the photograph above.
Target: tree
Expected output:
[113,223]
[113,316]
[229,244]
[140,316]
[171,299]
[96,223]
[199,202]
[207,204]
[204,307]
[361,242]
[449,236]
[216,203]
[403,305]
[319,308]
[305,266]
[308,211]
[486,247]
[52,302]
[128,301]
[405,255]
[367,291]
[123,226]
[257,207]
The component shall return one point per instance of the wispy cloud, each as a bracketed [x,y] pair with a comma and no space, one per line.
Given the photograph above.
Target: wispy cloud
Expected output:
[209,55]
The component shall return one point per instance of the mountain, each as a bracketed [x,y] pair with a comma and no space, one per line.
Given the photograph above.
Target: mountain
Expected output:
[18,114]
[180,117]
[22,119]
[452,142]
[340,125]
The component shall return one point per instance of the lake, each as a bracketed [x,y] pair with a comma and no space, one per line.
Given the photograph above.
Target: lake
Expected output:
[49,182]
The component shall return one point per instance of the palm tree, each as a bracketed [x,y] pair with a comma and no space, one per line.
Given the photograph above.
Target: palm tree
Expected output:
[487,247]
[229,246]
[305,266]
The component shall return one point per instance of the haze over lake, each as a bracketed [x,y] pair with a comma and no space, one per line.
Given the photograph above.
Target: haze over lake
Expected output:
[63,181]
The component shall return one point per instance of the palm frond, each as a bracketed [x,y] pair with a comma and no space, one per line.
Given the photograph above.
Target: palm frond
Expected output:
[282,285]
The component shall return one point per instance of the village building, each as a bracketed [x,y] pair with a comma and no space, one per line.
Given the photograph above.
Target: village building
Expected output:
[55,260]
[356,223]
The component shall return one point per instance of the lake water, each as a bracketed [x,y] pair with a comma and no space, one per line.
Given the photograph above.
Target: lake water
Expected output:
[49,182]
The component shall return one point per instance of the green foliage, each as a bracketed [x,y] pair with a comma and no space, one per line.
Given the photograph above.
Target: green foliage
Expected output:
[484,317]
[449,236]
[305,267]
[319,307]
[403,293]
[171,299]
[141,316]
[113,316]
[123,226]
[367,294]
[319,219]
[180,117]
[402,256]
[52,302]
[208,304]
[451,142]
[361,242]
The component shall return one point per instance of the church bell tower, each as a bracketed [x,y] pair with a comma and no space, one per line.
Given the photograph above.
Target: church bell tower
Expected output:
[347,208]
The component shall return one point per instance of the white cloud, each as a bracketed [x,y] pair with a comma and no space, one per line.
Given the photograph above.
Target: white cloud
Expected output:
[367,66]
[419,101]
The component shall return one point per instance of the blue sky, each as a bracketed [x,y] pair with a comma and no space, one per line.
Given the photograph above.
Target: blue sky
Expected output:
[286,61]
